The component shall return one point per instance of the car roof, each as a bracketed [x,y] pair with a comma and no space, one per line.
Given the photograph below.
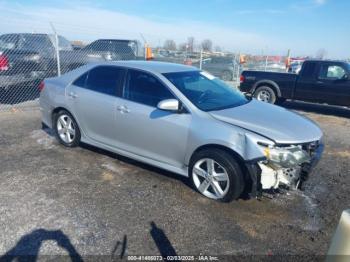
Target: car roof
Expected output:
[324,61]
[153,66]
[115,40]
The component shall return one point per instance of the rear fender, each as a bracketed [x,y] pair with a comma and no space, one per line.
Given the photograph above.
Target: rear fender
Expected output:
[268,83]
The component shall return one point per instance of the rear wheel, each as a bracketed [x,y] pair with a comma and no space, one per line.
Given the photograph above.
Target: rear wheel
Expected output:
[66,129]
[217,175]
[265,94]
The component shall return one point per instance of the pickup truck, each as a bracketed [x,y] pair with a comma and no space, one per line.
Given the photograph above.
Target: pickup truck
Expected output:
[26,59]
[319,81]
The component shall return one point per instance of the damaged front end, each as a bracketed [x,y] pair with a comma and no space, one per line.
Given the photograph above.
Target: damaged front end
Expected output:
[284,166]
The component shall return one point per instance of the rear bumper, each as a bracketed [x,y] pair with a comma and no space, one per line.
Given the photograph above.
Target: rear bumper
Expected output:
[301,173]
[11,81]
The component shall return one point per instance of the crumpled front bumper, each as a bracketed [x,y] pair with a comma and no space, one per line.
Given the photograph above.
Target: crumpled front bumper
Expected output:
[258,184]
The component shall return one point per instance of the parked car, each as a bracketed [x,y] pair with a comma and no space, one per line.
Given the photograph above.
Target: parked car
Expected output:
[184,120]
[113,49]
[28,58]
[318,81]
[222,67]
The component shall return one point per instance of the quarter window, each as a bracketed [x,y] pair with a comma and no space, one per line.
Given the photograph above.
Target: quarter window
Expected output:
[103,79]
[145,89]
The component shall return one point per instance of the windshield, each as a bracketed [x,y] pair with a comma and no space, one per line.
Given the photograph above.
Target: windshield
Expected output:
[205,91]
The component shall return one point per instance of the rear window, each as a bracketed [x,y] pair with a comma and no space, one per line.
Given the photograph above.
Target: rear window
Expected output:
[37,43]
[8,42]
[122,47]
[308,70]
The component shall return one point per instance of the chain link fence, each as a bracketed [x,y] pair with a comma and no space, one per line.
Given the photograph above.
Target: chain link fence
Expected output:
[28,58]
[54,49]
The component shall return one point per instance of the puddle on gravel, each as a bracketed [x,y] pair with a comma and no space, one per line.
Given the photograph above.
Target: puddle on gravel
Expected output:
[44,138]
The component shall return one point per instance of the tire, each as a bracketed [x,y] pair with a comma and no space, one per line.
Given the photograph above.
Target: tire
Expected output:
[227,175]
[226,76]
[265,94]
[66,129]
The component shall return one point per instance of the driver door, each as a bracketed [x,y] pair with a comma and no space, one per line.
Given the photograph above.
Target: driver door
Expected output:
[332,84]
[145,130]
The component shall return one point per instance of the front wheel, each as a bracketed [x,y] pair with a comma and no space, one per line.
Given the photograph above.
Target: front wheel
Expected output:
[265,94]
[216,174]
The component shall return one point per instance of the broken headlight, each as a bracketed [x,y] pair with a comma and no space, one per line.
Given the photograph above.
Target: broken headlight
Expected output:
[285,157]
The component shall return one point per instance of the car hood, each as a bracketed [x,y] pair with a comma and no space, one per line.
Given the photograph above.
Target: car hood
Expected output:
[273,122]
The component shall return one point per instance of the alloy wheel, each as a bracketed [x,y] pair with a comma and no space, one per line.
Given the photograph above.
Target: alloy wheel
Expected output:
[210,178]
[66,128]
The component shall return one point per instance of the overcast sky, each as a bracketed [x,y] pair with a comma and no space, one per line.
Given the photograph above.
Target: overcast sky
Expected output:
[248,26]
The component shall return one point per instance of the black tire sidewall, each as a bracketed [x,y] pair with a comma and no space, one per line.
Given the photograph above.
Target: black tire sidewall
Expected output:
[273,96]
[77,137]
[232,167]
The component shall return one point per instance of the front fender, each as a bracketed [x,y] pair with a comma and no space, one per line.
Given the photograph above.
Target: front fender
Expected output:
[240,141]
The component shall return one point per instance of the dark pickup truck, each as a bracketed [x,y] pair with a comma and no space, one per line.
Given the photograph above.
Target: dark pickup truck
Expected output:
[26,59]
[319,81]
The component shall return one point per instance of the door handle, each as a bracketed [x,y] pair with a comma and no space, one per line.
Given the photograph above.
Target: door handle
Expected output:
[72,95]
[123,109]
[319,82]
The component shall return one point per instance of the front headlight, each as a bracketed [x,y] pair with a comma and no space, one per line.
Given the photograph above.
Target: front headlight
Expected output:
[286,157]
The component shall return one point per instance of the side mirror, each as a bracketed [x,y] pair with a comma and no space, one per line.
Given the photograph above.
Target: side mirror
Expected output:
[172,105]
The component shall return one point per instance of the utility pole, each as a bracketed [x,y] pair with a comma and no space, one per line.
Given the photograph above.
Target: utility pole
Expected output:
[201,60]
[57,50]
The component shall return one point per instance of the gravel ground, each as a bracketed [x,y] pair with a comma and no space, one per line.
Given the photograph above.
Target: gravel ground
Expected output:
[85,201]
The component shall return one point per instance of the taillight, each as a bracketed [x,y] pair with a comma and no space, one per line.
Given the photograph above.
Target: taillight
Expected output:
[241,78]
[4,63]
[41,86]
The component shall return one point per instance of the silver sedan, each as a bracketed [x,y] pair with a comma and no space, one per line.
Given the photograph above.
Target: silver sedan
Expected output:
[183,120]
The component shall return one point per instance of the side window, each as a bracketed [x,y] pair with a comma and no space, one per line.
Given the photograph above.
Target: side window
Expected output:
[308,70]
[332,72]
[81,80]
[145,89]
[104,79]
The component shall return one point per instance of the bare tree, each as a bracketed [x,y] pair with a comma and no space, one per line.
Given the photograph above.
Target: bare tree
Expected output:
[207,45]
[183,46]
[217,49]
[169,45]
[321,53]
[190,43]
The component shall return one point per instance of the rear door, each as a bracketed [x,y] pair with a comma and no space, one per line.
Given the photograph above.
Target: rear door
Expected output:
[93,98]
[145,130]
